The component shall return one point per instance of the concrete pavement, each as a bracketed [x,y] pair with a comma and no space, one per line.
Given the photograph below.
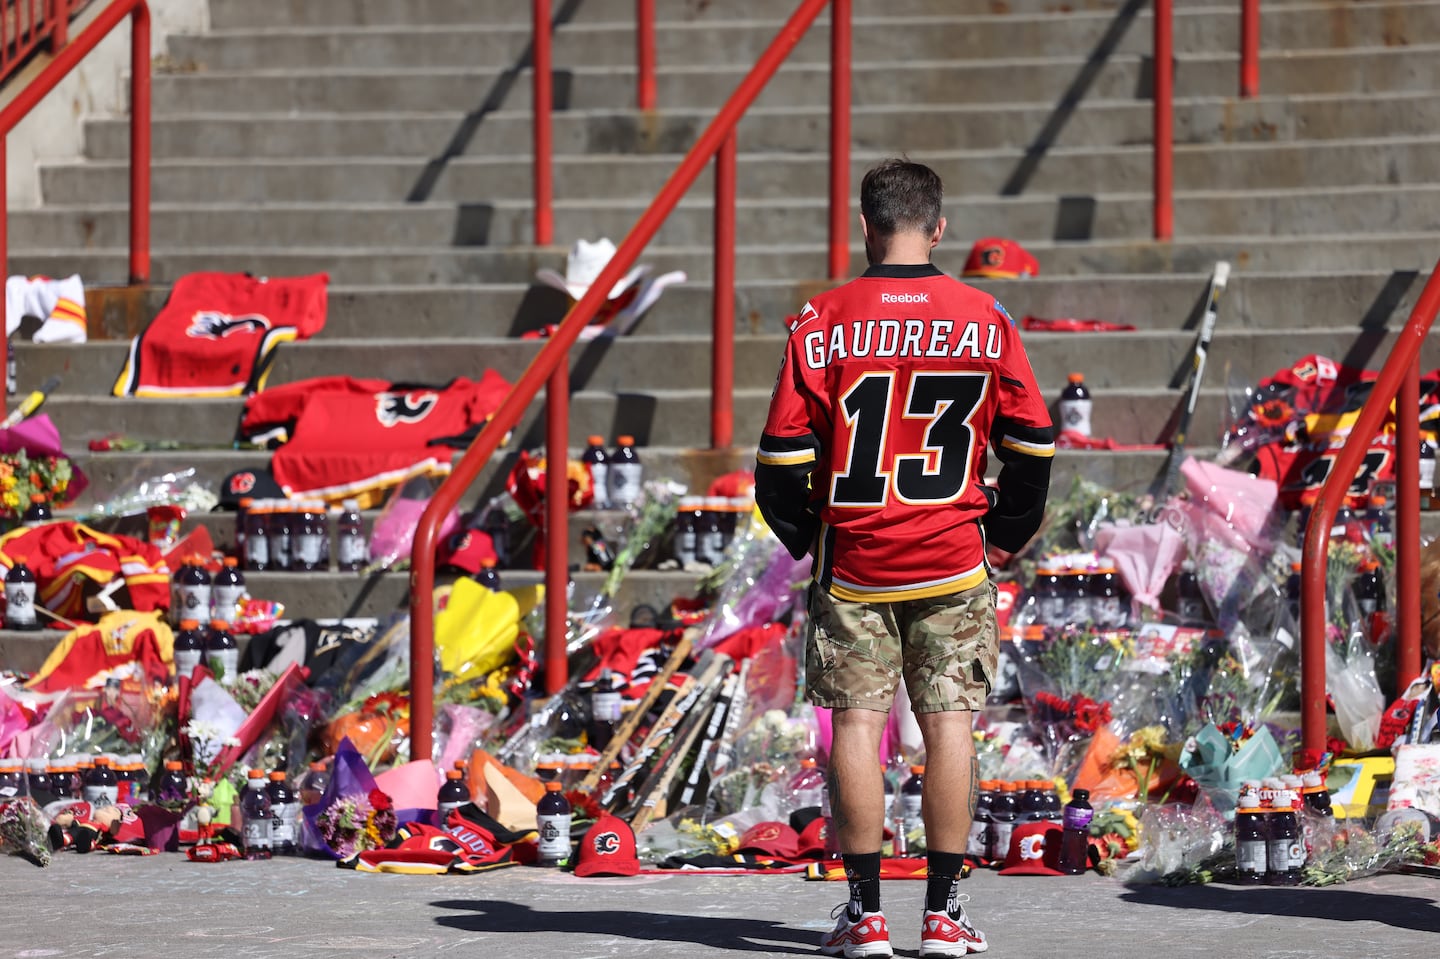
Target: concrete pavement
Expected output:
[165,907]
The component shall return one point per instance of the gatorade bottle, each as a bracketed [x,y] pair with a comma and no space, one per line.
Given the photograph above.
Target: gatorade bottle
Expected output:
[1076,405]
[980,825]
[227,591]
[1285,846]
[605,710]
[1075,837]
[1369,589]
[1054,812]
[1315,795]
[61,779]
[687,530]
[101,785]
[1109,606]
[552,816]
[171,789]
[283,813]
[222,654]
[598,460]
[313,785]
[1427,469]
[125,780]
[38,780]
[189,648]
[12,778]
[1379,527]
[1004,811]
[351,550]
[278,531]
[257,539]
[255,811]
[487,576]
[242,516]
[452,795]
[193,591]
[1292,591]
[38,512]
[20,597]
[305,553]
[1075,586]
[910,794]
[1189,600]
[625,474]
[711,538]
[1251,836]
[1050,601]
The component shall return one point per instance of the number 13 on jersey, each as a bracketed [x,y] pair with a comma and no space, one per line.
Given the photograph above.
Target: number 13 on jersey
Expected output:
[925,458]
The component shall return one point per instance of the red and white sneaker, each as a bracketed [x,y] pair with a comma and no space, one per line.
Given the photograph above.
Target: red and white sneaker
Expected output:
[855,936]
[949,933]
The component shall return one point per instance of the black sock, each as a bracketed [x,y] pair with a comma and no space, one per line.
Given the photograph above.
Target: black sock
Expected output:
[863,871]
[943,871]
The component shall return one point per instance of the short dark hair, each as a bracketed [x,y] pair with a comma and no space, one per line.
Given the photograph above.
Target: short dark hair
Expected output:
[898,195]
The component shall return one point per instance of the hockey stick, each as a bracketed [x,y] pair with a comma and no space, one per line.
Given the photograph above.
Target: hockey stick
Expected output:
[632,720]
[618,794]
[31,403]
[713,729]
[656,790]
[1218,279]
[725,748]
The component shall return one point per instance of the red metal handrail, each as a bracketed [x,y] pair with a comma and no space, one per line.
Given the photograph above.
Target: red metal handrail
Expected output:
[1164,119]
[26,25]
[1399,381]
[645,54]
[550,366]
[542,97]
[1249,48]
[53,73]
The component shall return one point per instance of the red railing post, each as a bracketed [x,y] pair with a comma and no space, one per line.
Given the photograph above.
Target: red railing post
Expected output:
[556,349]
[1163,83]
[839,260]
[645,53]
[722,353]
[543,96]
[140,145]
[557,525]
[59,26]
[1407,527]
[1400,366]
[1249,48]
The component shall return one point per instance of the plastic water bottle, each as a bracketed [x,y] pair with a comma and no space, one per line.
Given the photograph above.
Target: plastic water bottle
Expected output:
[192,592]
[606,706]
[910,793]
[452,795]
[255,811]
[1075,586]
[980,825]
[313,784]
[807,785]
[1075,834]
[20,597]
[1189,599]
[256,554]
[38,779]
[284,811]
[552,816]
[226,591]
[1292,591]
[1076,405]
[102,787]
[625,475]
[1285,846]
[351,550]
[711,536]
[171,788]
[1251,836]
[222,654]
[189,648]
[599,462]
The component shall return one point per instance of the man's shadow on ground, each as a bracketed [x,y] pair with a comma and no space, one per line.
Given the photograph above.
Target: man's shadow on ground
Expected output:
[1339,904]
[730,932]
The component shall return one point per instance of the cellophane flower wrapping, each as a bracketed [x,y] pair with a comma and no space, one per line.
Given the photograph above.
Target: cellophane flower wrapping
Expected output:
[352,815]
[23,830]
[760,584]
[1178,840]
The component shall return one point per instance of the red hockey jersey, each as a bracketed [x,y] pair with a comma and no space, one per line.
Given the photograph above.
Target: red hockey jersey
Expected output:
[346,437]
[216,334]
[66,556]
[891,389]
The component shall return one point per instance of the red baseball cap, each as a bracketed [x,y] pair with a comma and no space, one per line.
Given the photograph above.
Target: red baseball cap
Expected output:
[811,844]
[608,849]
[466,550]
[1034,850]
[995,256]
[770,839]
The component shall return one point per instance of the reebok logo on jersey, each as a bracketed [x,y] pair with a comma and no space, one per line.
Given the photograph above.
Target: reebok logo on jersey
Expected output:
[212,325]
[904,297]
[391,409]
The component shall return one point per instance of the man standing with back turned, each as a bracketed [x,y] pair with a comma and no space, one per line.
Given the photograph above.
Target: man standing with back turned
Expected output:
[873,459]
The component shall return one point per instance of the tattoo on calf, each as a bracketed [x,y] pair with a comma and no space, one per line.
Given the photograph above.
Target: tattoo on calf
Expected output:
[974,783]
[837,818]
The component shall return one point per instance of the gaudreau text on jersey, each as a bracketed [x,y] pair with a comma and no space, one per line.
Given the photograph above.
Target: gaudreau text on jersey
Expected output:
[973,339]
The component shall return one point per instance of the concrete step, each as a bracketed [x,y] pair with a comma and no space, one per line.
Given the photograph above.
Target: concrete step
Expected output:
[1403,160]
[1408,208]
[1312,253]
[941,35]
[978,127]
[874,84]
[230,14]
[1125,359]
[1150,302]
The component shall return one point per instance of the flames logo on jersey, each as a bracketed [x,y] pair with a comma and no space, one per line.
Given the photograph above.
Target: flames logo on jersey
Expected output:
[212,325]
[392,409]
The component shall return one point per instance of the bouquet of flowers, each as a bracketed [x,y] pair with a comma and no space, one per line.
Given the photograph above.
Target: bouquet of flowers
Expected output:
[23,475]
[356,823]
[23,829]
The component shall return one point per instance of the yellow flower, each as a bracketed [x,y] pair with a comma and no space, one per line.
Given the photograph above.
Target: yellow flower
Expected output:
[11,499]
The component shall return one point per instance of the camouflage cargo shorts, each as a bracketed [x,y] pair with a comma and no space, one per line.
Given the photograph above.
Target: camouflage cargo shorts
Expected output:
[946,647]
